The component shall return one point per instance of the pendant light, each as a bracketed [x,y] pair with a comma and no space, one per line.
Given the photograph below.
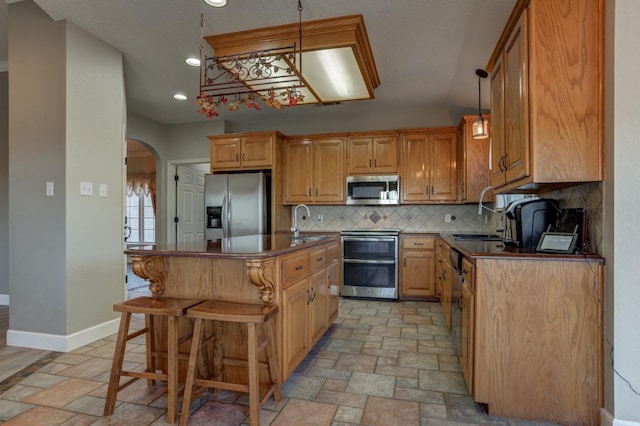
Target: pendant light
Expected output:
[481,125]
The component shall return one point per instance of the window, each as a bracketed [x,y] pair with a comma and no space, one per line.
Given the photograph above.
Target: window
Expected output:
[140,218]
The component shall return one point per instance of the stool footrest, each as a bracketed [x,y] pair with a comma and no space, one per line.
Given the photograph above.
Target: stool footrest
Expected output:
[137,333]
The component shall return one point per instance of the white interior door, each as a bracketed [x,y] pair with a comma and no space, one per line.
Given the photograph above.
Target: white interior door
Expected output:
[190,204]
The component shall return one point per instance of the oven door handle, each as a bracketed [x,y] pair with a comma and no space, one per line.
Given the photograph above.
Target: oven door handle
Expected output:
[374,261]
[370,239]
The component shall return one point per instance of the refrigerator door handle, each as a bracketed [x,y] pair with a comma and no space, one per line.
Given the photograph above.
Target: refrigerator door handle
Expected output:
[223,218]
[228,195]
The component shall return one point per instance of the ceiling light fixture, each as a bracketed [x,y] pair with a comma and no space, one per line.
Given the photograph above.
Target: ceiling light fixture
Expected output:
[216,3]
[481,125]
[264,66]
[266,74]
[180,97]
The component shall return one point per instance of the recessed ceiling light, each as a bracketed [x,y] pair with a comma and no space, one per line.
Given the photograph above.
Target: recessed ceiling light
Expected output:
[194,62]
[216,3]
[180,97]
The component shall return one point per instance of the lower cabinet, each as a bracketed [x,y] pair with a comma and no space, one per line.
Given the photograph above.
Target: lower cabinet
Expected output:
[295,329]
[537,347]
[444,275]
[467,322]
[417,269]
[309,302]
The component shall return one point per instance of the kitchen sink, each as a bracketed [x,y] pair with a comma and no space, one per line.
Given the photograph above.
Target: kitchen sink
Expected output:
[477,237]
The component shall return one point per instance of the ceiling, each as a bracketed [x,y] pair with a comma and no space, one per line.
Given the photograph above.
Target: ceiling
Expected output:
[426,51]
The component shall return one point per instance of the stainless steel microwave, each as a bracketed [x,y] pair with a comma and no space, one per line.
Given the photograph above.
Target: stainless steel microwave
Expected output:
[373,190]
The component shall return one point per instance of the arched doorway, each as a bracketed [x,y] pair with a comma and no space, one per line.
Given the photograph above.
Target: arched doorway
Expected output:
[140,207]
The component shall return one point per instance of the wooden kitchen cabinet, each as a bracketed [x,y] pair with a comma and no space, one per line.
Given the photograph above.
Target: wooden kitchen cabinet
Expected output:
[444,275]
[309,301]
[547,97]
[473,162]
[372,154]
[247,151]
[314,170]
[537,348]
[428,166]
[467,322]
[417,276]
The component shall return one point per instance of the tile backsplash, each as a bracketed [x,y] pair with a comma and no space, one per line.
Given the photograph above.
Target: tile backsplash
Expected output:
[431,218]
[420,218]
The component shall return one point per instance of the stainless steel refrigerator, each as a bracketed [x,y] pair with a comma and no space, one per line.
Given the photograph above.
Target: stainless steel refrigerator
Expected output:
[236,204]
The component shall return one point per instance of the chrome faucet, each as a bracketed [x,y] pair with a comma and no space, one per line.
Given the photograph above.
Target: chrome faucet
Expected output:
[294,227]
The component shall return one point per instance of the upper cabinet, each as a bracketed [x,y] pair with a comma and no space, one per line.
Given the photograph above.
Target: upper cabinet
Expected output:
[428,165]
[372,154]
[314,170]
[248,151]
[547,96]
[473,161]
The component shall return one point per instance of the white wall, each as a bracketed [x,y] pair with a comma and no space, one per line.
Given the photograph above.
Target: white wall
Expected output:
[4,188]
[65,251]
[94,130]
[622,202]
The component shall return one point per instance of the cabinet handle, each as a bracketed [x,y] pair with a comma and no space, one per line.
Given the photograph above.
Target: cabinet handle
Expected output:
[237,157]
[309,192]
[375,163]
[432,190]
[418,244]
[243,158]
[299,267]
[404,262]
[369,162]
[319,259]
[426,190]
[464,271]
[308,297]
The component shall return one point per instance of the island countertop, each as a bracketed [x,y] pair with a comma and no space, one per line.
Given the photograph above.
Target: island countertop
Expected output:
[244,247]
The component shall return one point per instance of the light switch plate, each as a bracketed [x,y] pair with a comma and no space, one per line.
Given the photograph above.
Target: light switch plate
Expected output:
[49,189]
[103,189]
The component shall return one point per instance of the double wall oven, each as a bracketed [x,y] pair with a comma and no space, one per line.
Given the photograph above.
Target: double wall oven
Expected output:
[370,263]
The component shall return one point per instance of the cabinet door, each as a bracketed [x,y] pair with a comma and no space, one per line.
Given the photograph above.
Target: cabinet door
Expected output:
[333,291]
[418,272]
[415,181]
[443,170]
[298,172]
[328,170]
[516,99]
[473,162]
[359,156]
[257,152]
[295,329]
[225,153]
[445,297]
[498,176]
[317,306]
[385,154]
[467,315]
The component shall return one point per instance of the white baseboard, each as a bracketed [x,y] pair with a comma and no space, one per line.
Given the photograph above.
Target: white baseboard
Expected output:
[606,419]
[58,343]
[4,299]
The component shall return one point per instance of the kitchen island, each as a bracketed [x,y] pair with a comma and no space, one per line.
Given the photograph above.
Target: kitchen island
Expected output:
[300,275]
[530,331]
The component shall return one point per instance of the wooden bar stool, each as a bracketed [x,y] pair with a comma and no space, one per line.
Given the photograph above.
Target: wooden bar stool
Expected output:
[151,307]
[237,313]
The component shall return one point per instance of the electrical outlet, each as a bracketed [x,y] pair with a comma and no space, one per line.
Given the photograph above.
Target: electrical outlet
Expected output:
[320,218]
[447,218]
[86,189]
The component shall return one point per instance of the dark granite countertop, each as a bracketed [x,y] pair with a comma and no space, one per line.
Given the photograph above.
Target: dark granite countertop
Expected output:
[475,249]
[245,247]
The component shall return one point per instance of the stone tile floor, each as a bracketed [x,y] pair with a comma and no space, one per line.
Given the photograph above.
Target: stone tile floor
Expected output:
[380,364]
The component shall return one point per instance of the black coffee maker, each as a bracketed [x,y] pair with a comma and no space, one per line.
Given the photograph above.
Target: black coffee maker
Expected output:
[532,217]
